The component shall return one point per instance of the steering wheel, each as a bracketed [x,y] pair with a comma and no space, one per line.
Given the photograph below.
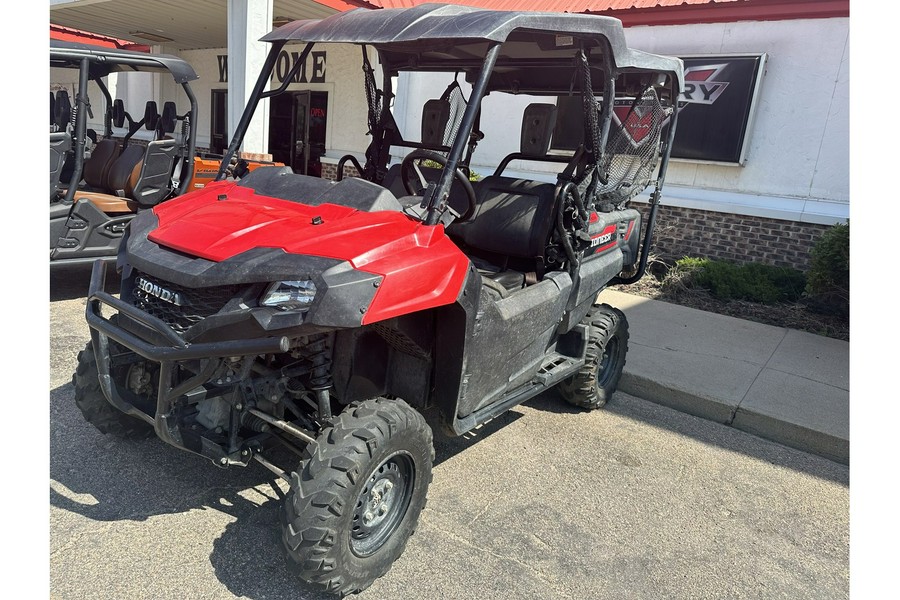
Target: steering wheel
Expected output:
[459,176]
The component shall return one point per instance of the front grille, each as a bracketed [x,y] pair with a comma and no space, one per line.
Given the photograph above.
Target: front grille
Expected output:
[193,304]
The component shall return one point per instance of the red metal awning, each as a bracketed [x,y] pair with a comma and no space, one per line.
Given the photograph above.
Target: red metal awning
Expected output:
[661,12]
[67,34]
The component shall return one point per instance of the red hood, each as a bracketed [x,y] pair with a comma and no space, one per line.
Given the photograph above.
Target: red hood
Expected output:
[217,230]
[421,266]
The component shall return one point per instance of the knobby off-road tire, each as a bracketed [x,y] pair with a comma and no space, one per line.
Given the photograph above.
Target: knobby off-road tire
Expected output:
[593,385]
[356,499]
[96,408]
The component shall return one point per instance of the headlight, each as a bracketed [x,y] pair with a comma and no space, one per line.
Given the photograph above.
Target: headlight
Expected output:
[289,295]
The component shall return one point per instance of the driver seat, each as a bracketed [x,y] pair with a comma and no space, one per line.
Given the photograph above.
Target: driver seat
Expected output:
[514,218]
[435,117]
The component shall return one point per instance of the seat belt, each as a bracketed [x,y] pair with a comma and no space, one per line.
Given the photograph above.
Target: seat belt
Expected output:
[182,148]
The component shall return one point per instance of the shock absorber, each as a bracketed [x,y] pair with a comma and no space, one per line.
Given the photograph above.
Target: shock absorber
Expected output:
[320,380]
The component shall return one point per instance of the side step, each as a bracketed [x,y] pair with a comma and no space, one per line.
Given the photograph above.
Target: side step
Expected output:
[554,369]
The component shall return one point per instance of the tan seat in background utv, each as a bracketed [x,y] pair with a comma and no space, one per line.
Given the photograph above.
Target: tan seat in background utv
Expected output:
[140,175]
[96,168]
[122,175]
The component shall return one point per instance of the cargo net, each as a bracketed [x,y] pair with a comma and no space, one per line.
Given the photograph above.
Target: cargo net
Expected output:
[632,149]
[454,95]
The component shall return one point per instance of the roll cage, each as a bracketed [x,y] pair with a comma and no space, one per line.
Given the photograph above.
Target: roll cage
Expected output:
[543,54]
[93,64]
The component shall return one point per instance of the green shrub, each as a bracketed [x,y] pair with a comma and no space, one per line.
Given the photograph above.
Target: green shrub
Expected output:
[755,282]
[689,265]
[828,281]
[473,175]
[678,278]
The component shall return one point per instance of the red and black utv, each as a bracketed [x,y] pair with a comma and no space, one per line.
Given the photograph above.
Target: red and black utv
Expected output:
[344,320]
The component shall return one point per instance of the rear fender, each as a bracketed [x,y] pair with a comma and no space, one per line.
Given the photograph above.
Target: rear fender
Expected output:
[617,230]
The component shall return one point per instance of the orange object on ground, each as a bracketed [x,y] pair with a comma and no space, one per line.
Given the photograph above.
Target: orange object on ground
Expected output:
[205,170]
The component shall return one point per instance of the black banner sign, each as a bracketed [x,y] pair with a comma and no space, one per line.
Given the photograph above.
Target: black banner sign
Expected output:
[717,107]
[716,113]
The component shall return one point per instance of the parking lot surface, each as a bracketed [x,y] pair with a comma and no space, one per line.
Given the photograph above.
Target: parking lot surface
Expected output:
[633,501]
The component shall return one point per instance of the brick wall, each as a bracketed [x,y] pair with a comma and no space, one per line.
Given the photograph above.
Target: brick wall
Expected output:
[683,232]
[329,171]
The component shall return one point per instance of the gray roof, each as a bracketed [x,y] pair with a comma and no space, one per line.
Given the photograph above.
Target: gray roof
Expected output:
[431,24]
[107,60]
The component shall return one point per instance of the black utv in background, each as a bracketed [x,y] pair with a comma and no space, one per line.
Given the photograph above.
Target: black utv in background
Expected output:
[98,182]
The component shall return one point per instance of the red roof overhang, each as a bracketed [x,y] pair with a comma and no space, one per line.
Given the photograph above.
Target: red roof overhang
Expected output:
[661,12]
[344,5]
[729,12]
[67,34]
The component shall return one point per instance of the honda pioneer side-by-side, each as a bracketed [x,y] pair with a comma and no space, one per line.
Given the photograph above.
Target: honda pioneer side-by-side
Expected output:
[345,320]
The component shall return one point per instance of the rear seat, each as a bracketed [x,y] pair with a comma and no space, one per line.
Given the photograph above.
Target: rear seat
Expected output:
[435,116]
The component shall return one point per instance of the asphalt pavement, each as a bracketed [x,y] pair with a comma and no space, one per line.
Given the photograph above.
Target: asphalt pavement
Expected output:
[637,500]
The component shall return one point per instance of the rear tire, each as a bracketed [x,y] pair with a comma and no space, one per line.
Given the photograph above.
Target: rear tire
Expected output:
[356,499]
[94,406]
[593,385]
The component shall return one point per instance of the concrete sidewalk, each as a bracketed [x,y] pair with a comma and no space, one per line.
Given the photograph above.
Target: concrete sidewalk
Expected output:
[788,386]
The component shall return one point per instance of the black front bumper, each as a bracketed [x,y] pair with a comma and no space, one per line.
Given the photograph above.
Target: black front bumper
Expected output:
[176,349]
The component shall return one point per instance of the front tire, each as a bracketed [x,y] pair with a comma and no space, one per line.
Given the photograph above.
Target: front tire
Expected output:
[94,406]
[356,500]
[593,385]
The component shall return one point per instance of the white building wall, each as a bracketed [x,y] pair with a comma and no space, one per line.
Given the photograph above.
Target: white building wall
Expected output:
[346,130]
[797,165]
[798,158]
[207,68]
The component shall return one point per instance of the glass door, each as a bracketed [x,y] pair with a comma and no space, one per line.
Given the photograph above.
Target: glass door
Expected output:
[300,133]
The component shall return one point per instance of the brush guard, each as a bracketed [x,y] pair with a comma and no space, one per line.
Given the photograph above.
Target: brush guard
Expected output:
[210,354]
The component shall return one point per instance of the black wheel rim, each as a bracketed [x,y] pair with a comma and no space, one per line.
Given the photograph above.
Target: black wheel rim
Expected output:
[382,503]
[608,363]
